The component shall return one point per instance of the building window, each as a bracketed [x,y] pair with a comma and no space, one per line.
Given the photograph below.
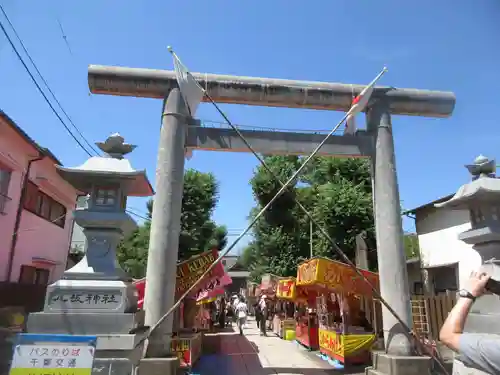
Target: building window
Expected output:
[82,202]
[4,188]
[105,197]
[44,206]
[479,215]
[418,288]
[34,275]
[495,213]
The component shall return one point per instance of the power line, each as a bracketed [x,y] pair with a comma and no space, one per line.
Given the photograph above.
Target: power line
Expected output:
[45,82]
[64,36]
[137,215]
[137,211]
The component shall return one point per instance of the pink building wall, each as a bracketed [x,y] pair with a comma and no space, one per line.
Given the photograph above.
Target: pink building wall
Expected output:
[40,243]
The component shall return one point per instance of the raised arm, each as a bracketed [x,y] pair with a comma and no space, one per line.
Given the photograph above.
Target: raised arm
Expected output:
[453,326]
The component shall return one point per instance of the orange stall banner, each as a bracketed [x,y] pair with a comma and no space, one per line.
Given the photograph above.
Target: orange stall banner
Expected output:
[286,289]
[336,276]
[307,272]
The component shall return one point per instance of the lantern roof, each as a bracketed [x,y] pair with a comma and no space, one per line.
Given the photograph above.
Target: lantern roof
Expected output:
[484,187]
[112,166]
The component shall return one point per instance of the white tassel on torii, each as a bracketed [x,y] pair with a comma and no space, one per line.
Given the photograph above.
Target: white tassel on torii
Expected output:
[359,104]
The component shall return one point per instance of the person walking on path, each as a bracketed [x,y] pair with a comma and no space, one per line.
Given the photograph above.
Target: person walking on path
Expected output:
[263,315]
[213,315]
[256,309]
[241,313]
[236,301]
[229,313]
[222,313]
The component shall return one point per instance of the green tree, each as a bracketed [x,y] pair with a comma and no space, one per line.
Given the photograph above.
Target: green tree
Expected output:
[198,231]
[412,248]
[337,192]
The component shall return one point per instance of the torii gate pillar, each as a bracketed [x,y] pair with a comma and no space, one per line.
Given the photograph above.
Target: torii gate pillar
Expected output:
[389,230]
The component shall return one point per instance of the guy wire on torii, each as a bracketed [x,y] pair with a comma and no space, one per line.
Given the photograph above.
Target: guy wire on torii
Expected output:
[177,134]
[193,93]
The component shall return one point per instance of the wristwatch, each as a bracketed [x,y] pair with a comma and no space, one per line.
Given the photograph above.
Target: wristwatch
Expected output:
[466,294]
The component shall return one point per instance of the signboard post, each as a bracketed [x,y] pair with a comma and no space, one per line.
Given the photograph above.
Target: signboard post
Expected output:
[41,354]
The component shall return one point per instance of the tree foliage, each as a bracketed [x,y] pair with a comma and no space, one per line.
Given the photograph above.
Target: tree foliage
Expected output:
[337,192]
[198,231]
[412,248]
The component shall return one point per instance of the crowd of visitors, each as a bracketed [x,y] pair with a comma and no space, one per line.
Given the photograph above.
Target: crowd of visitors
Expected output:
[226,311]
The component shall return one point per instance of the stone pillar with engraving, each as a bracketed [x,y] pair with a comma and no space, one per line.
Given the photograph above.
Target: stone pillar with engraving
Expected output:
[482,198]
[96,297]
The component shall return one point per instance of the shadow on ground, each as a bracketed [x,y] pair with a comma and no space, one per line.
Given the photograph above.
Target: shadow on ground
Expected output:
[232,354]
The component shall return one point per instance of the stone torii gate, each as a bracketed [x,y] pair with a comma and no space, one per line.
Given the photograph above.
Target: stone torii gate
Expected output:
[176,136]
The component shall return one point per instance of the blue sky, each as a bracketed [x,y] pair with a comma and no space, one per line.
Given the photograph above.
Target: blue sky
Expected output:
[439,45]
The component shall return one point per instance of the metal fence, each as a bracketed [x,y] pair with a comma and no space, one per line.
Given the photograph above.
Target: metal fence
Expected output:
[430,312]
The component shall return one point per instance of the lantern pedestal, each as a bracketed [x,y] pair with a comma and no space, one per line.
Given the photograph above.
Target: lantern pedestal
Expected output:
[96,297]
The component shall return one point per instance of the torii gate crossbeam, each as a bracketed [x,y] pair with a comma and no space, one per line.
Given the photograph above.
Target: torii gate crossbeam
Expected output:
[270,92]
[279,93]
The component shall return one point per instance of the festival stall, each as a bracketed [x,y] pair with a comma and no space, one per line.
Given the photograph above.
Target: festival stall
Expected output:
[252,292]
[306,328]
[187,347]
[285,308]
[269,286]
[186,343]
[343,331]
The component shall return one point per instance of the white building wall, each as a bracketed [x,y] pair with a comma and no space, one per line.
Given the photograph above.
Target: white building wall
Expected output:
[438,231]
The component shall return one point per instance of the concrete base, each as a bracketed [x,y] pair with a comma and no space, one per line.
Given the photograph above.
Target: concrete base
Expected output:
[78,323]
[118,342]
[117,362]
[158,366]
[113,366]
[387,364]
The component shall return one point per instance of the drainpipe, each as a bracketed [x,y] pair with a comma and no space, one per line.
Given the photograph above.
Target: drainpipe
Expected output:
[17,224]
[71,236]
[70,240]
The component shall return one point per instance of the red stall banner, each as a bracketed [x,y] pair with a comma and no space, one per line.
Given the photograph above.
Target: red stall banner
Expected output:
[188,272]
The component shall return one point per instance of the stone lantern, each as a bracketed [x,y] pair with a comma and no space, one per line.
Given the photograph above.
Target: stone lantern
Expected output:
[96,297]
[481,197]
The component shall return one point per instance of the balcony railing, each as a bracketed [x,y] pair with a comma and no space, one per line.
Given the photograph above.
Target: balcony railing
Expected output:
[4,200]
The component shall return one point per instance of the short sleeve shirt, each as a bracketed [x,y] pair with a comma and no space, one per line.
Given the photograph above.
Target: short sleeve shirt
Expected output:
[242,310]
[480,351]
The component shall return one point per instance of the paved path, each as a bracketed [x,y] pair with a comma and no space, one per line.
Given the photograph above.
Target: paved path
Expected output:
[253,354]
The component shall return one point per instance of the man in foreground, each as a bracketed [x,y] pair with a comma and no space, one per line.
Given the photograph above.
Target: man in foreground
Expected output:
[480,351]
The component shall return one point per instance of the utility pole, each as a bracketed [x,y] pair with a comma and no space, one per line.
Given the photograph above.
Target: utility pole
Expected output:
[311,238]
[361,251]
[165,223]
